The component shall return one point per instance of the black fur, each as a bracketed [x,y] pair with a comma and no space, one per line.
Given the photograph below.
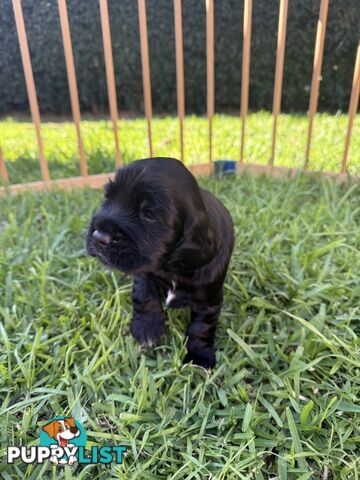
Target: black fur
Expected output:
[157,224]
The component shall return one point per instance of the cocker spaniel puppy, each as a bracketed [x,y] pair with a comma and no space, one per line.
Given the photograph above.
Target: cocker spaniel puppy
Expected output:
[175,239]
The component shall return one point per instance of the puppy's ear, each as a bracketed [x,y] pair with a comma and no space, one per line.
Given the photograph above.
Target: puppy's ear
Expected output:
[70,421]
[196,246]
[109,189]
[50,429]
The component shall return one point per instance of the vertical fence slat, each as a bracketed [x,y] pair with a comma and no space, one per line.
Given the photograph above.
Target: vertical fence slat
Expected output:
[353,106]
[30,85]
[318,56]
[110,78]
[279,69]
[179,72]
[210,69]
[245,74]
[70,68]
[3,170]
[145,68]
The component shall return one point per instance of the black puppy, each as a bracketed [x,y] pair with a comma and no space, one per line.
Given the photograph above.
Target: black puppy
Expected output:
[176,239]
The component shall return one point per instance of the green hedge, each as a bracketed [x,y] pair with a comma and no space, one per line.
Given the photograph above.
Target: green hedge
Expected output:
[44,35]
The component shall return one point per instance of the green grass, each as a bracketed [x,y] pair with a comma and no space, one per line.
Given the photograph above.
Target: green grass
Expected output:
[18,143]
[283,400]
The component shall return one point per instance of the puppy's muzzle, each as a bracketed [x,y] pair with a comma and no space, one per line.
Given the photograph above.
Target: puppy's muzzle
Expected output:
[101,238]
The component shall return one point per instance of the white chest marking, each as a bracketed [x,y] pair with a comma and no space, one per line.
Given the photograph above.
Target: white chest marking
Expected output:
[171,294]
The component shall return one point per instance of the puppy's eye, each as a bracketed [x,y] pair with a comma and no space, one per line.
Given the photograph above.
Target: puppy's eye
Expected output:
[146,212]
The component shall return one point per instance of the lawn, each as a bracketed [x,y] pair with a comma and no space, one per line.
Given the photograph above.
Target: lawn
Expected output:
[283,400]
[17,140]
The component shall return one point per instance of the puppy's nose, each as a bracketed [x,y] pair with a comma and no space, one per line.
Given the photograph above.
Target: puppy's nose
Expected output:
[101,237]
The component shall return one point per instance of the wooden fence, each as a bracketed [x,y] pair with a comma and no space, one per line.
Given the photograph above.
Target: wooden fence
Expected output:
[97,180]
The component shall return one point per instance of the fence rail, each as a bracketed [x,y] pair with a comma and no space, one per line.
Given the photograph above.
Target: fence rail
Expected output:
[110,77]
[180,73]
[30,85]
[245,75]
[146,70]
[279,68]
[315,83]
[203,169]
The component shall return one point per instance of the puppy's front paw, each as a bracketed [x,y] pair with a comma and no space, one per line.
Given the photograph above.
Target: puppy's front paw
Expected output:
[203,359]
[147,330]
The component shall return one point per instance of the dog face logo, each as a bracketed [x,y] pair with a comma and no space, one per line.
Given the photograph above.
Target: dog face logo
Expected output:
[63,434]
[62,430]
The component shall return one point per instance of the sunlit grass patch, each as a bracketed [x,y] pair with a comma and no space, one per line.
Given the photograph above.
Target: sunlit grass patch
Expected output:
[17,140]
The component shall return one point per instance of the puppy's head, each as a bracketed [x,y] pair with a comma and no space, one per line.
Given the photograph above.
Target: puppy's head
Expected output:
[153,214]
[62,430]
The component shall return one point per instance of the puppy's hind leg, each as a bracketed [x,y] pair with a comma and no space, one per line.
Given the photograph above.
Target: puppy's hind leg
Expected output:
[201,334]
[148,322]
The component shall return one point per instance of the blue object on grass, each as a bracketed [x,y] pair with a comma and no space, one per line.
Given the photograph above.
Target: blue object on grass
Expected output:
[224,167]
